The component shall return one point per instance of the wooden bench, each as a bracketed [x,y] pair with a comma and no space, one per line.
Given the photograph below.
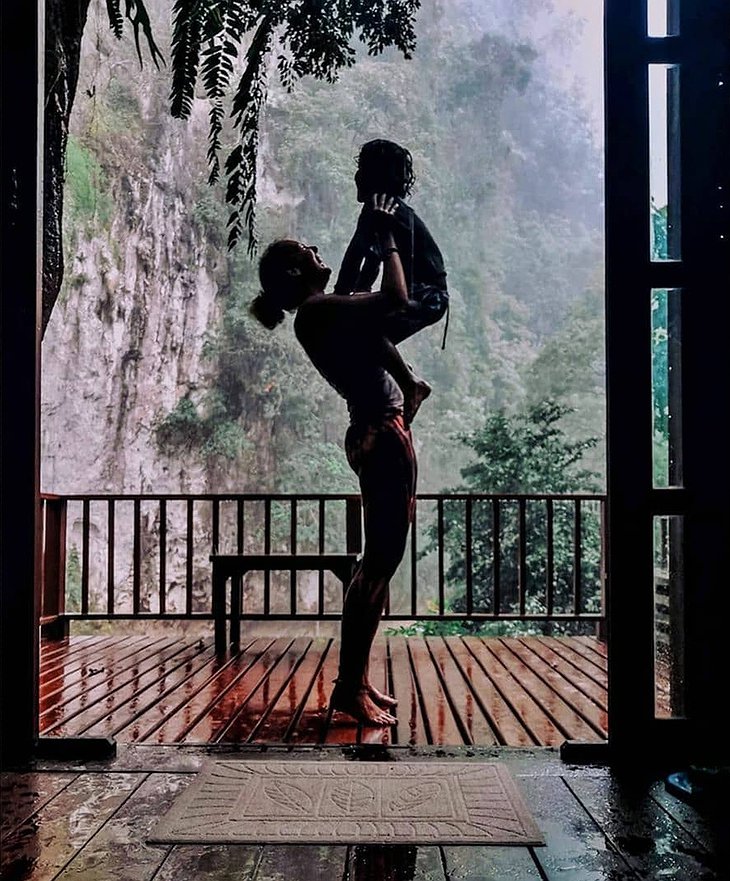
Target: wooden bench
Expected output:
[232,567]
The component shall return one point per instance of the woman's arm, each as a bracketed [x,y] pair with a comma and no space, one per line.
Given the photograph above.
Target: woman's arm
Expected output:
[394,279]
[393,294]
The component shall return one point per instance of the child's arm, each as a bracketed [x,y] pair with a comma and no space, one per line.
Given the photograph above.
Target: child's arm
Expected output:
[373,248]
[368,273]
[352,273]
[393,292]
[350,267]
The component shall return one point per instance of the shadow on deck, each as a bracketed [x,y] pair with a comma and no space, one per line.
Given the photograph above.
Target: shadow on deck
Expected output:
[520,692]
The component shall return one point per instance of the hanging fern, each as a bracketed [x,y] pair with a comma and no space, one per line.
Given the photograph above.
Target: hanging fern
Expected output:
[314,39]
[116,20]
[221,49]
[246,112]
[189,20]
[136,13]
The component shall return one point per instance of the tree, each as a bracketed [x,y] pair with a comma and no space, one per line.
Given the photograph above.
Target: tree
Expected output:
[523,453]
[210,37]
[571,370]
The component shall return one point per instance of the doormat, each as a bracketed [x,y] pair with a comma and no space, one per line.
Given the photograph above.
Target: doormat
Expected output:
[236,802]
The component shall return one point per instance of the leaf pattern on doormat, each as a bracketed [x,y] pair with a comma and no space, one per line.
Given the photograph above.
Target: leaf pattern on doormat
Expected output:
[289,796]
[414,796]
[353,796]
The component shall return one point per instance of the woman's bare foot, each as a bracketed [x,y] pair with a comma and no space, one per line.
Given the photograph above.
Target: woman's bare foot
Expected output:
[361,707]
[380,698]
[414,396]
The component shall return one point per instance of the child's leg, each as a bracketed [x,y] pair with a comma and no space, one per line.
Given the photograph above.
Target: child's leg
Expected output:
[415,390]
[418,315]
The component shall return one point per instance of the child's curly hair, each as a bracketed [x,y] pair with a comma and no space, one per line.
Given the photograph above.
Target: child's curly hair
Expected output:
[385,167]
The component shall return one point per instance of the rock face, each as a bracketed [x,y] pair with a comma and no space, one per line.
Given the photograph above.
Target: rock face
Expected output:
[125,340]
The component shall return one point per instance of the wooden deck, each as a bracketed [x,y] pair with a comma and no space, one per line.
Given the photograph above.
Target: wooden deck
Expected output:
[62,822]
[519,692]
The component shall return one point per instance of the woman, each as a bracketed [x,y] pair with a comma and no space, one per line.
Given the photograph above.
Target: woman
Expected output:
[343,338]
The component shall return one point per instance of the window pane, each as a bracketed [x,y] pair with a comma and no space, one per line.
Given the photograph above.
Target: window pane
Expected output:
[664,162]
[668,617]
[666,365]
[662,18]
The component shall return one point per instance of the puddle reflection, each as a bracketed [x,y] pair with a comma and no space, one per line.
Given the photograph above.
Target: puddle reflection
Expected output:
[384,862]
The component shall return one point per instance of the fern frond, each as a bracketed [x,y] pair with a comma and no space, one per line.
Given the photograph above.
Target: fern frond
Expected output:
[252,84]
[241,163]
[223,33]
[218,56]
[186,33]
[116,21]
[215,127]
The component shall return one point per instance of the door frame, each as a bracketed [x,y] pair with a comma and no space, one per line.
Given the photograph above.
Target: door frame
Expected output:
[22,149]
[701,49]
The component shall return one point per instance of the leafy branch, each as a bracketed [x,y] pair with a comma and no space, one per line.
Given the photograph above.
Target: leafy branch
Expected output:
[314,38]
[136,13]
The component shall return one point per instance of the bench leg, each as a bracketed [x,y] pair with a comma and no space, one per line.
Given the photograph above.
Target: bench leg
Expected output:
[219,609]
[236,589]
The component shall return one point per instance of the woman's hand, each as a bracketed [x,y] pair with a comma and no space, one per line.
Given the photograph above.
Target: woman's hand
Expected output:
[383,208]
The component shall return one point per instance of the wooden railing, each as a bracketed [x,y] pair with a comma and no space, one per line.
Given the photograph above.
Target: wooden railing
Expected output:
[470,556]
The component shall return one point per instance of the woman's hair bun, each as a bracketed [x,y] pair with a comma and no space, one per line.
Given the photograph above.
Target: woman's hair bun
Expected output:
[265,311]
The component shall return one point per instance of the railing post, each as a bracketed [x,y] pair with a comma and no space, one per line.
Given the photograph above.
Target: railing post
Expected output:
[353,526]
[601,627]
[53,623]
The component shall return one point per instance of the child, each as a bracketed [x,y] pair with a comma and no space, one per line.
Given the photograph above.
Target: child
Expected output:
[386,167]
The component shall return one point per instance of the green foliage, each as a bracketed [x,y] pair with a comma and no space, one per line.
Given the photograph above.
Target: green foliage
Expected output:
[214,434]
[181,427]
[206,215]
[571,369]
[224,440]
[660,366]
[73,580]
[120,113]
[86,200]
[472,628]
[318,467]
[659,232]
[527,453]
[524,453]
[660,343]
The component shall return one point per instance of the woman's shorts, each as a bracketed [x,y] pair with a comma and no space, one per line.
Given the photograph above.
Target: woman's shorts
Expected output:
[384,460]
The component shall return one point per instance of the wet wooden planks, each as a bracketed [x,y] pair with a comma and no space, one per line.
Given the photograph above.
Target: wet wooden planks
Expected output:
[49,838]
[527,691]
[94,825]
